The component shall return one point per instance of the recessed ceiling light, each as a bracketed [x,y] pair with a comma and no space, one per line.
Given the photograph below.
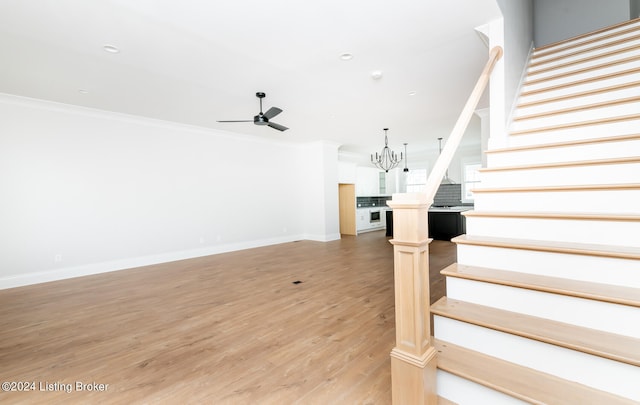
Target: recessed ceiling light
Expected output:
[83,91]
[346,56]
[412,93]
[110,49]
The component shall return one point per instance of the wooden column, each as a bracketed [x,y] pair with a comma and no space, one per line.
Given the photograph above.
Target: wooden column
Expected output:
[413,360]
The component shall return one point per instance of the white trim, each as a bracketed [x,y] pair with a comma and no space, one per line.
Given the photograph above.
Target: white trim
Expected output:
[123,264]
[523,79]
[322,238]
[464,162]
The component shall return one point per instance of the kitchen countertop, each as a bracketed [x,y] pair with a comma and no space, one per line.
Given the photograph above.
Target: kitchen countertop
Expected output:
[461,208]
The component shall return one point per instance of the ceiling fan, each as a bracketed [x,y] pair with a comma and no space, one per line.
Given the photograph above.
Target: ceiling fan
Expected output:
[263,118]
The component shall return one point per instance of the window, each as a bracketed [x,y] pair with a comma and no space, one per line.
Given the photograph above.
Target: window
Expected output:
[416,180]
[470,180]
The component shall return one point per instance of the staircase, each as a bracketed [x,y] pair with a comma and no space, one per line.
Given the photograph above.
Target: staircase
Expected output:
[543,305]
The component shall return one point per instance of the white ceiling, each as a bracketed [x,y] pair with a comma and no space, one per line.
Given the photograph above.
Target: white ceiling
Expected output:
[197,61]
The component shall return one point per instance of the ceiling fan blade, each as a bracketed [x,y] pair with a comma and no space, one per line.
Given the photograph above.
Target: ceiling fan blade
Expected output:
[237,121]
[272,112]
[277,126]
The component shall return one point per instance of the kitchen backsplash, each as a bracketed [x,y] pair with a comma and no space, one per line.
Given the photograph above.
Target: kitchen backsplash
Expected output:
[448,195]
[381,201]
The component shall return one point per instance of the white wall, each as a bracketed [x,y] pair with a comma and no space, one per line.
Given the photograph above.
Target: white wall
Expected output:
[320,191]
[513,32]
[346,172]
[331,198]
[87,191]
[634,7]
[556,20]
[518,42]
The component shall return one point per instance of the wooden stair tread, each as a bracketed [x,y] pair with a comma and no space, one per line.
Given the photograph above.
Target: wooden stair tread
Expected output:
[583,289]
[600,121]
[541,53]
[588,249]
[587,34]
[576,216]
[517,381]
[591,341]
[578,108]
[593,162]
[537,189]
[618,138]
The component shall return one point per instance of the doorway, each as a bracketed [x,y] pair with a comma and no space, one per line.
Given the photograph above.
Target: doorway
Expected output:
[347,201]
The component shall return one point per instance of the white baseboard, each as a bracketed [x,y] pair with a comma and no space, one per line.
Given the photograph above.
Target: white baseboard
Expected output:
[123,264]
[322,238]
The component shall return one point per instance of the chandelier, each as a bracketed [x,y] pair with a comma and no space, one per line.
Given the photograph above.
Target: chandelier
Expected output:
[387,159]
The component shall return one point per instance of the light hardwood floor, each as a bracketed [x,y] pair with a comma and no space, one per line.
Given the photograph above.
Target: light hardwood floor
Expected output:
[223,329]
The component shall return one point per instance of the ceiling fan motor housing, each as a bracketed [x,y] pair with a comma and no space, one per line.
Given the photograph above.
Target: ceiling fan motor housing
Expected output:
[260,119]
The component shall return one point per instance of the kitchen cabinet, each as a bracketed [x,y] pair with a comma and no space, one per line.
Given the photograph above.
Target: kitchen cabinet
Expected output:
[391,182]
[363,219]
[444,225]
[367,181]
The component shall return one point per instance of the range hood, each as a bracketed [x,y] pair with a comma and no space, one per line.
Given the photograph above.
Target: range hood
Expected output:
[445,179]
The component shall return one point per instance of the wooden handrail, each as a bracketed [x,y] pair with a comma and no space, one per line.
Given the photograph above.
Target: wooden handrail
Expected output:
[452,143]
[414,358]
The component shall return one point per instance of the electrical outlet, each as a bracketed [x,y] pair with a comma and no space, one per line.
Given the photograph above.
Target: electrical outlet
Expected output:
[202,240]
[57,258]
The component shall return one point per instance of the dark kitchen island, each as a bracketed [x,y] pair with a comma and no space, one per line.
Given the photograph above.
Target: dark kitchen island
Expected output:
[447,222]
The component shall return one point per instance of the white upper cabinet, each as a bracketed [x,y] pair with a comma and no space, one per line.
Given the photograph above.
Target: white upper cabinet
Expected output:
[367,181]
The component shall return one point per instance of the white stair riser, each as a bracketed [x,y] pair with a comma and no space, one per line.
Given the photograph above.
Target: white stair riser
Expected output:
[601,150]
[588,37]
[595,201]
[540,57]
[619,319]
[558,176]
[623,72]
[580,64]
[577,116]
[603,374]
[465,392]
[596,269]
[576,133]
[578,102]
[620,233]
